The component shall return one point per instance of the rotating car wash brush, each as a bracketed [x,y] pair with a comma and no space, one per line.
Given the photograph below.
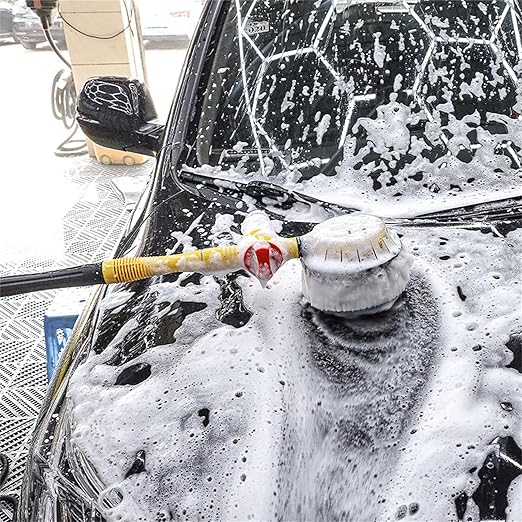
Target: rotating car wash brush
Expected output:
[351,264]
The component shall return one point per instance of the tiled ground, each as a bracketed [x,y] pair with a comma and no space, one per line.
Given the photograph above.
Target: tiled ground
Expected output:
[92,223]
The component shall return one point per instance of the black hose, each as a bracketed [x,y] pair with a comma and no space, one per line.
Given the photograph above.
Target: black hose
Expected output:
[44,18]
[63,103]
[71,147]
[85,275]
[63,100]
[10,500]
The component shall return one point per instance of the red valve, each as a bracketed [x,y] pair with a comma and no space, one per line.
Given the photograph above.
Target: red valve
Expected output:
[263,259]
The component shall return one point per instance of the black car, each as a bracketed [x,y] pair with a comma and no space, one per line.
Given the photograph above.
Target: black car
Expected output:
[28,30]
[197,397]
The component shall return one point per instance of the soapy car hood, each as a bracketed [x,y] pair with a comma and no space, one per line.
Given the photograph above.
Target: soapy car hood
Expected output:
[278,410]
[205,397]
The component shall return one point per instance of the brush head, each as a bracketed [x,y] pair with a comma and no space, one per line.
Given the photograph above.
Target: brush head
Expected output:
[354,264]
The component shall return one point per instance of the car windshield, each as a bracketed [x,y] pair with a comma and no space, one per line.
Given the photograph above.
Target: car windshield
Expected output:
[412,103]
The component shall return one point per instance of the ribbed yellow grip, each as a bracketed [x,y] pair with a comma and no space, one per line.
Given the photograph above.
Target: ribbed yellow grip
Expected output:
[135,268]
[126,269]
[256,225]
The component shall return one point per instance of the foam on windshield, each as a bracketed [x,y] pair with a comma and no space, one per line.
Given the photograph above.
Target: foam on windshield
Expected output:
[422,184]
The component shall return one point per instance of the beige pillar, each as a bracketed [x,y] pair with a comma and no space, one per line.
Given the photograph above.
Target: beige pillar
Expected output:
[104,39]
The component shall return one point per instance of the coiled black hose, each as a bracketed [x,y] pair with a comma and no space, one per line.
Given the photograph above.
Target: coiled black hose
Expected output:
[63,98]
[9,500]
[63,103]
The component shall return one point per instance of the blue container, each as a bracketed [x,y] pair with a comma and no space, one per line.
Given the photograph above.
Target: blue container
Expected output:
[59,322]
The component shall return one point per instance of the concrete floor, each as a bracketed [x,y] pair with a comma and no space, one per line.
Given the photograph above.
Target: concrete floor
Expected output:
[54,212]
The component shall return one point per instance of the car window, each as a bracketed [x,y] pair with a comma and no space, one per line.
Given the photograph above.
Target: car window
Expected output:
[383,100]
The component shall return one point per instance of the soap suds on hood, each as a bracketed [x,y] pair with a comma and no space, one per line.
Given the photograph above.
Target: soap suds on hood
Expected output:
[289,413]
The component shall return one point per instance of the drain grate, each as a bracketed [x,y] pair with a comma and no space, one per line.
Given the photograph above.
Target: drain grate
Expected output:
[11,353]
[32,373]
[91,227]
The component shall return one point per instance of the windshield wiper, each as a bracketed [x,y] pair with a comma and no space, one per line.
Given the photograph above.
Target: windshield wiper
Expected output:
[500,209]
[283,199]
[471,216]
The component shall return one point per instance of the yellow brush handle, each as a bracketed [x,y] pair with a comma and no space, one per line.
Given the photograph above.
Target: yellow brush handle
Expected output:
[256,227]
[207,260]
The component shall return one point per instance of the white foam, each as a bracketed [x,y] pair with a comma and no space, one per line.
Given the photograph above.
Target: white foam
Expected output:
[356,291]
[352,263]
[389,136]
[290,443]
[514,496]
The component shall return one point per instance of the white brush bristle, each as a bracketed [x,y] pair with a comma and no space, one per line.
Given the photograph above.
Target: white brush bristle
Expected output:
[353,263]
